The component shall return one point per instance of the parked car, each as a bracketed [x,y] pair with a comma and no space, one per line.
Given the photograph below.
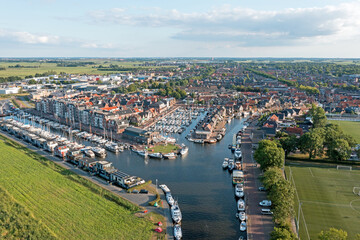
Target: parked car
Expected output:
[265,203]
[262,189]
[144,191]
[266,211]
[135,191]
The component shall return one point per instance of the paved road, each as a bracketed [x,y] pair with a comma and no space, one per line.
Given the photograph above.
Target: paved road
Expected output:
[259,226]
[138,199]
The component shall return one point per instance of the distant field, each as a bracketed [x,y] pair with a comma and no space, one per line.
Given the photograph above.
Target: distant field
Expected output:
[326,198]
[69,206]
[45,67]
[351,128]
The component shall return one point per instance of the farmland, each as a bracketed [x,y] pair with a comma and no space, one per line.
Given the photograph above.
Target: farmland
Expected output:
[66,205]
[326,198]
[33,67]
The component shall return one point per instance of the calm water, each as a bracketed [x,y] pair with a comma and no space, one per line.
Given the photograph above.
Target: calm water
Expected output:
[203,189]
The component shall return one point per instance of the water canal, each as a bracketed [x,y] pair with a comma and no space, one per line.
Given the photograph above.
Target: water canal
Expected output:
[197,181]
[203,189]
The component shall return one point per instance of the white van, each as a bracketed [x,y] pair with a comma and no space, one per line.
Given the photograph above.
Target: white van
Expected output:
[266,211]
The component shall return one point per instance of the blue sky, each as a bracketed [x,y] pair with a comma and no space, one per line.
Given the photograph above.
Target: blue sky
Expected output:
[197,28]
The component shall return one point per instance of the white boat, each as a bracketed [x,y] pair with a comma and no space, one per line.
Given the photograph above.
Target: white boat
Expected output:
[225,163]
[155,155]
[50,146]
[112,147]
[237,153]
[177,232]
[143,153]
[170,155]
[184,150]
[243,226]
[241,205]
[164,188]
[200,141]
[231,165]
[176,213]
[239,190]
[89,153]
[170,199]
[242,216]
[99,152]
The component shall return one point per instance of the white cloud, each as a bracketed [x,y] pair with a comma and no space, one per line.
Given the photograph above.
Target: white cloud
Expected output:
[248,27]
[28,38]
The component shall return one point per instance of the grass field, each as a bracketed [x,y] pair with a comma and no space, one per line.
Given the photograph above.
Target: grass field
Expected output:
[70,207]
[326,198]
[351,128]
[42,67]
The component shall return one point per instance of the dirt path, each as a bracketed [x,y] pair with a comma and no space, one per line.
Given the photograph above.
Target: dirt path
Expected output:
[259,226]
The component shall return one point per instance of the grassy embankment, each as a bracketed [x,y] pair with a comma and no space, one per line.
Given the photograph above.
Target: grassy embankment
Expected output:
[66,205]
[326,198]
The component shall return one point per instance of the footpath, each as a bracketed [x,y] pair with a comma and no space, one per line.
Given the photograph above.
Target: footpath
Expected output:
[259,226]
[141,200]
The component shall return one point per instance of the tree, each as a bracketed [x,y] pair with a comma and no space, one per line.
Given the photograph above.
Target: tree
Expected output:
[312,143]
[271,177]
[269,154]
[282,197]
[333,234]
[339,150]
[289,144]
[32,81]
[318,116]
[282,234]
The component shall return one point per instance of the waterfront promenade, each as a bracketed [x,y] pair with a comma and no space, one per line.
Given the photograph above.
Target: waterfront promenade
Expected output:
[259,226]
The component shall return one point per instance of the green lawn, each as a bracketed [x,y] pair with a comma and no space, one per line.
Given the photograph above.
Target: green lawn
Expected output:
[326,198]
[69,206]
[164,148]
[351,128]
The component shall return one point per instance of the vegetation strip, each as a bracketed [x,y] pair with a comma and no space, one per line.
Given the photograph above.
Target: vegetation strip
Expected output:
[56,196]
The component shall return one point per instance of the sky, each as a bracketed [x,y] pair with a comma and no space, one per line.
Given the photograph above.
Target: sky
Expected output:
[186,28]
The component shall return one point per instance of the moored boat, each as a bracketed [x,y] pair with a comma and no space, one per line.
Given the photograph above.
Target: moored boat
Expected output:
[176,213]
[184,150]
[170,199]
[169,155]
[241,205]
[99,152]
[155,155]
[177,232]
[225,163]
[89,153]
[238,153]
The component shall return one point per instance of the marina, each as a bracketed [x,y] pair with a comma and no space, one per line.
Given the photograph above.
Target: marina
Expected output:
[195,178]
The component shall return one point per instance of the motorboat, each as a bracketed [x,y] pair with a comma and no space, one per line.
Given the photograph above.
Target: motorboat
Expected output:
[50,146]
[200,141]
[184,150]
[176,213]
[237,153]
[239,191]
[143,153]
[177,232]
[164,188]
[242,216]
[243,226]
[241,205]
[225,163]
[89,153]
[99,152]
[112,147]
[231,165]
[170,155]
[238,165]
[155,155]
[170,199]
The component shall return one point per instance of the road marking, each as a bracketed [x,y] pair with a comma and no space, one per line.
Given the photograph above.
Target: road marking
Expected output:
[327,203]
[311,172]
